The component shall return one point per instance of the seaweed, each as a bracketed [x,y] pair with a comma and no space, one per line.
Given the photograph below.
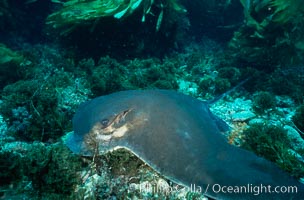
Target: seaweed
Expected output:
[40,108]
[109,75]
[10,65]
[213,85]
[298,118]
[263,101]
[41,119]
[76,13]
[39,170]
[272,143]
[272,35]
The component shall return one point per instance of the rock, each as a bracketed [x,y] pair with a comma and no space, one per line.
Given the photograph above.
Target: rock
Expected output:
[297,141]
[187,87]
[256,121]
[242,116]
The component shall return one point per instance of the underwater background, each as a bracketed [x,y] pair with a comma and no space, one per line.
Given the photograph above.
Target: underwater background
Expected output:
[57,54]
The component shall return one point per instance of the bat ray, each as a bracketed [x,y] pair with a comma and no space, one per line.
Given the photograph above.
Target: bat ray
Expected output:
[180,138]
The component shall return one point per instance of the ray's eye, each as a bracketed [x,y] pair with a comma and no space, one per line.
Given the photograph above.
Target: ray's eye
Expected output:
[104,122]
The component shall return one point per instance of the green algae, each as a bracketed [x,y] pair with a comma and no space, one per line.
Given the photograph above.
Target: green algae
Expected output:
[9,56]
[76,13]
[298,118]
[39,170]
[47,118]
[38,107]
[10,65]
[263,101]
[110,75]
[273,33]
[272,143]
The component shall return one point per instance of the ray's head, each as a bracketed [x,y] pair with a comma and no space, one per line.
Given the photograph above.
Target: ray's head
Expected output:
[103,123]
[108,129]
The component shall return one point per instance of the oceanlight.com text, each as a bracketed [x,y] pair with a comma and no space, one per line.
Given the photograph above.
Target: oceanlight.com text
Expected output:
[253,189]
[218,188]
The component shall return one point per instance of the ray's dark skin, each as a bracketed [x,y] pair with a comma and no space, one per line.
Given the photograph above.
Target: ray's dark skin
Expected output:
[179,137]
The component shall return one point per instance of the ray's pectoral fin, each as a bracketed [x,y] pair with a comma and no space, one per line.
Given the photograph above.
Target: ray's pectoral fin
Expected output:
[107,129]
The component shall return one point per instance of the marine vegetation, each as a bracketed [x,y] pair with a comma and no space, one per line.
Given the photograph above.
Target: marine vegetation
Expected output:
[78,13]
[298,119]
[263,101]
[38,107]
[278,11]
[213,85]
[272,143]
[8,56]
[272,35]
[109,75]
[283,81]
[10,65]
[38,169]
